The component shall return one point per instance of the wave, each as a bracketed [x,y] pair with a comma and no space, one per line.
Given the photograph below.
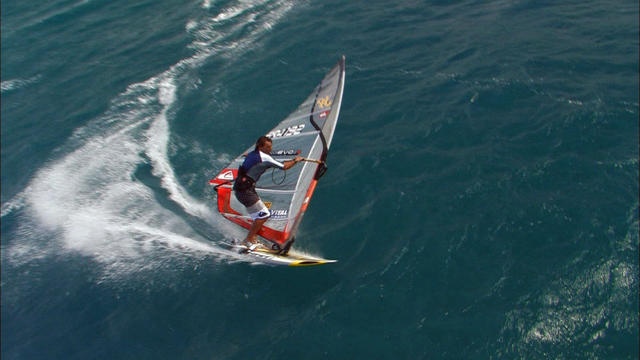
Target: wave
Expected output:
[558,314]
[46,13]
[96,200]
[16,84]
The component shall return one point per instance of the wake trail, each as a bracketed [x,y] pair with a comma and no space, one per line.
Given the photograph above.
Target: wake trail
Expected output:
[91,201]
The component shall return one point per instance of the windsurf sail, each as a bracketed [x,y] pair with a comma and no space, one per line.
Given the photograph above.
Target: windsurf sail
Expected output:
[306,132]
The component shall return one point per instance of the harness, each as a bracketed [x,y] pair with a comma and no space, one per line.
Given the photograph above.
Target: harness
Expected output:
[243,182]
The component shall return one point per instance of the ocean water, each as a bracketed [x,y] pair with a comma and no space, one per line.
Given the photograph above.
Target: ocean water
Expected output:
[481,197]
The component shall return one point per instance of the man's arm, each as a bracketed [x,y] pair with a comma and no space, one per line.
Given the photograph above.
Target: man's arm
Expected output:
[290,163]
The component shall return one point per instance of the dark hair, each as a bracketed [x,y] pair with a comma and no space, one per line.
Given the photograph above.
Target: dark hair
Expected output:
[261,141]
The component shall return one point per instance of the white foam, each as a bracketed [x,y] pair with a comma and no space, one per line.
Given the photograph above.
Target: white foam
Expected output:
[12,205]
[231,12]
[206,4]
[15,84]
[156,149]
[237,27]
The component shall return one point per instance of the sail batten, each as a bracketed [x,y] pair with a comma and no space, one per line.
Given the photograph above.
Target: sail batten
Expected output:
[306,132]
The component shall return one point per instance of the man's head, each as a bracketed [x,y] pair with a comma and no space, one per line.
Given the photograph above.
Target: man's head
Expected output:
[264,144]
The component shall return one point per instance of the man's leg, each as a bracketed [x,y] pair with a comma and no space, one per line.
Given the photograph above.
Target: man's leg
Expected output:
[255,228]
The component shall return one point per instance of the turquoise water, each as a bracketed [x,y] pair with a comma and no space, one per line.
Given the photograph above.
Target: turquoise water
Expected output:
[482,192]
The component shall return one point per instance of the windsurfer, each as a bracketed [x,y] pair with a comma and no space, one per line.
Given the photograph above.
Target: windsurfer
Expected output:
[253,166]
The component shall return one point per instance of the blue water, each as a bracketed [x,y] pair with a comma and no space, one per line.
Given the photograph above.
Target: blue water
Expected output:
[482,192]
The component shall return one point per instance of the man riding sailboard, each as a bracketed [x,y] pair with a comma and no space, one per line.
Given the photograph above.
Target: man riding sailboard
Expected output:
[254,165]
[270,193]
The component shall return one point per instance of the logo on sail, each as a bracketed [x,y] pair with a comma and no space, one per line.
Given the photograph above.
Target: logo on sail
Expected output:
[286,152]
[279,214]
[290,131]
[275,213]
[227,175]
[324,102]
